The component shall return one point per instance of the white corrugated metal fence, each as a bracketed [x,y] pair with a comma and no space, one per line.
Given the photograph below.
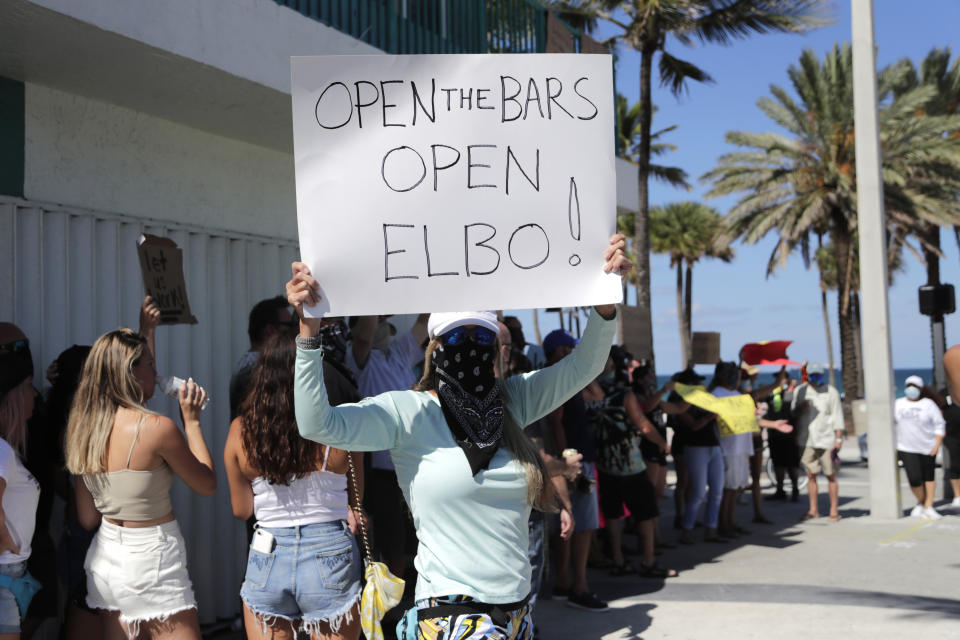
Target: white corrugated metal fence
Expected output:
[69,275]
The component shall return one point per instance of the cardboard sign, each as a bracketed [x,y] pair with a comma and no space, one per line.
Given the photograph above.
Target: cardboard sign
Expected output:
[455,182]
[705,347]
[735,414]
[161,264]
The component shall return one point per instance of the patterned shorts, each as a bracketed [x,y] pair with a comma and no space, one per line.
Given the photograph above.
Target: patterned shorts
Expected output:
[472,626]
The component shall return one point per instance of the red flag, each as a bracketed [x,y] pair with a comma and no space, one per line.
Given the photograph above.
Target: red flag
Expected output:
[769,352]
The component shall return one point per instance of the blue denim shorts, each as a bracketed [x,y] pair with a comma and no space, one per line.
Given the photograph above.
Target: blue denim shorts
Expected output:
[312,575]
[9,610]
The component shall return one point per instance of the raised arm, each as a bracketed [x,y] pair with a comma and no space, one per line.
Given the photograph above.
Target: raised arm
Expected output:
[535,394]
[370,425]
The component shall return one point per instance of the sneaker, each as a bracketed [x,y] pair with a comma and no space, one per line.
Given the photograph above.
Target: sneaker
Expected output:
[931,514]
[917,511]
[956,502]
[587,602]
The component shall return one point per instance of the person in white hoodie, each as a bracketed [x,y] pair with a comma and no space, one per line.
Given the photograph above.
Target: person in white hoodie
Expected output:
[920,431]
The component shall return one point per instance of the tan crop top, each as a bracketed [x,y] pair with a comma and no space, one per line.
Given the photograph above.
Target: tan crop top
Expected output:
[137,496]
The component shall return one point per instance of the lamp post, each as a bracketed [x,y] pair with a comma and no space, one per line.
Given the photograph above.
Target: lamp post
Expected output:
[878,372]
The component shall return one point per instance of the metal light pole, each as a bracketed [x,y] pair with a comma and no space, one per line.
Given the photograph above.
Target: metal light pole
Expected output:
[878,372]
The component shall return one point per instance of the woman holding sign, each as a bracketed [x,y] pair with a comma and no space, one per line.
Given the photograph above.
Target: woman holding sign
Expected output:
[468,473]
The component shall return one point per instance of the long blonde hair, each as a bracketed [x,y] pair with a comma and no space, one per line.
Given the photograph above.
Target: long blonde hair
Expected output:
[514,438]
[107,383]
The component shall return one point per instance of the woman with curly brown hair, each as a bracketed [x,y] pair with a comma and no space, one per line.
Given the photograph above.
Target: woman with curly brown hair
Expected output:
[304,565]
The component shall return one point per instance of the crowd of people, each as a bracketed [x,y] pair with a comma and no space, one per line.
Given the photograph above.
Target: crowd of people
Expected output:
[504,468]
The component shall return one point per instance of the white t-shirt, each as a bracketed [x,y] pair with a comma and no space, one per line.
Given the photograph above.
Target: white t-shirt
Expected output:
[918,424]
[19,502]
[737,444]
[386,372]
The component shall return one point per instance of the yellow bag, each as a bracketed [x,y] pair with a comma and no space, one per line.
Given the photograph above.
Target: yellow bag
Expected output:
[383,590]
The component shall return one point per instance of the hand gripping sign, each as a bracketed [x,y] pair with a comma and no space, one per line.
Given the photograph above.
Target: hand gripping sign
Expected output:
[454,182]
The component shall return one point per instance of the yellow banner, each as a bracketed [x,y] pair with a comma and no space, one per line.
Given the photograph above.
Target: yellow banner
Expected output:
[735,414]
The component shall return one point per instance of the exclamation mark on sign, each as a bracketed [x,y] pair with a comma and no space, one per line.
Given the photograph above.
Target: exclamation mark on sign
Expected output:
[573,216]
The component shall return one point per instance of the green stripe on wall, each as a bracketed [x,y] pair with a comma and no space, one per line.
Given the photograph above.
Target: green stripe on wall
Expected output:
[11,137]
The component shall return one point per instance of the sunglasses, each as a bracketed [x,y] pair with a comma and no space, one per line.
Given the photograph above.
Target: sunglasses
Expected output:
[17,346]
[479,335]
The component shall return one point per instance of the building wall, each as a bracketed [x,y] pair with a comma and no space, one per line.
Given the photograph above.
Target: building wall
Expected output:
[251,39]
[68,274]
[99,156]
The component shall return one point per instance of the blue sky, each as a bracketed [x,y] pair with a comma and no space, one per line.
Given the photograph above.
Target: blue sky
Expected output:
[736,299]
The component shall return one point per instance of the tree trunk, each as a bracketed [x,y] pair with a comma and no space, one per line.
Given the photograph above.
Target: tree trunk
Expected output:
[931,258]
[682,317]
[857,335]
[842,239]
[688,303]
[641,241]
[536,327]
[938,343]
[826,328]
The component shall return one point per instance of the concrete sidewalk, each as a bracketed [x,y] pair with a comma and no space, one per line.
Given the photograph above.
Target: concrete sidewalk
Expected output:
[858,578]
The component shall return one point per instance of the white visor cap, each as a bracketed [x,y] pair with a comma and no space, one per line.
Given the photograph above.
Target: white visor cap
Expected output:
[440,323]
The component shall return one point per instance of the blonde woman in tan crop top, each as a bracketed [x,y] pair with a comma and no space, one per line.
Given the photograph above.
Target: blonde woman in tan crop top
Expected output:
[125,457]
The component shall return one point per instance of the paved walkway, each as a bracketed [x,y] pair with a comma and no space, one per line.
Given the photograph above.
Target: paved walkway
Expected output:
[858,578]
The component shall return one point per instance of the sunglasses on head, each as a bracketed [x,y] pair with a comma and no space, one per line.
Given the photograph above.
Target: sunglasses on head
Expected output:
[17,346]
[480,335]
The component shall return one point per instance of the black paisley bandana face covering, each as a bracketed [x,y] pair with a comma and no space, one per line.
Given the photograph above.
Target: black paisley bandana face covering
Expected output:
[471,399]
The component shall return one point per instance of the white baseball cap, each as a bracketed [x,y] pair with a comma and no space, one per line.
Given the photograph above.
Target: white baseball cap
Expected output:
[440,323]
[916,381]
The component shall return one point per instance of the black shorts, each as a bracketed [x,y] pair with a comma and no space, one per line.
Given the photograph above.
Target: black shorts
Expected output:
[953,446]
[636,491]
[919,467]
[651,453]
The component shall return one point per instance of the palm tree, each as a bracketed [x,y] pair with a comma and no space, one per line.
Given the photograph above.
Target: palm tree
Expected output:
[796,184]
[628,144]
[645,27]
[935,71]
[687,232]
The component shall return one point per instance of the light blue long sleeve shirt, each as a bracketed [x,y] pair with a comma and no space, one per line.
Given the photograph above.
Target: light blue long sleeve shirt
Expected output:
[472,529]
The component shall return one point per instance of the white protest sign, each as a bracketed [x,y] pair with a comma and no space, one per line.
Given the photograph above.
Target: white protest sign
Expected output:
[455,182]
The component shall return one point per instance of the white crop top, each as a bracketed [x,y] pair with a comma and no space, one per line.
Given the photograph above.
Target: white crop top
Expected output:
[319,496]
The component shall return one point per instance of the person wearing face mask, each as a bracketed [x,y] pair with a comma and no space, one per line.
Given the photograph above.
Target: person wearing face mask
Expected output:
[920,431]
[465,468]
[819,421]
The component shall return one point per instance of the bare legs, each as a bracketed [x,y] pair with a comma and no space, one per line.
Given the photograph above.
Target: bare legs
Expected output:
[833,490]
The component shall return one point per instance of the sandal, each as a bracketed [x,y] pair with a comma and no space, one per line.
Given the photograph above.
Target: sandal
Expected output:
[624,569]
[656,571]
[809,516]
[742,531]
[664,544]
[834,518]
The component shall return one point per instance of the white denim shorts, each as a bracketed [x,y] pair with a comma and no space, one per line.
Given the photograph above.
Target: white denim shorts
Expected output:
[736,471]
[140,572]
